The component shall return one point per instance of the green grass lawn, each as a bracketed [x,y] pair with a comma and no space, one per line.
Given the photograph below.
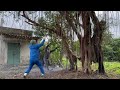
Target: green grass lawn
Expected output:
[110,67]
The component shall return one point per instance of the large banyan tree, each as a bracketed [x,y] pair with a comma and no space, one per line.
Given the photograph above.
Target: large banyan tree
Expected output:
[64,25]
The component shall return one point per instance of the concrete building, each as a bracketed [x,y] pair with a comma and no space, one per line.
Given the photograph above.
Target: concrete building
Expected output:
[14,45]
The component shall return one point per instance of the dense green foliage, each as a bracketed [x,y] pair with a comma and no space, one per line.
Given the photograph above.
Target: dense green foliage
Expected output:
[112,50]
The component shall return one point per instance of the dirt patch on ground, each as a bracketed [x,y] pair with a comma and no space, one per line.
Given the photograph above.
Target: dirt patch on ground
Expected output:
[16,72]
[63,74]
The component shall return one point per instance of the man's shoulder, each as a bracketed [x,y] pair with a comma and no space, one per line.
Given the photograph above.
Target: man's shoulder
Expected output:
[33,46]
[30,46]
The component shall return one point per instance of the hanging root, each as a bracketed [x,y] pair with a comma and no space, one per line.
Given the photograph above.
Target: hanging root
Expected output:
[86,68]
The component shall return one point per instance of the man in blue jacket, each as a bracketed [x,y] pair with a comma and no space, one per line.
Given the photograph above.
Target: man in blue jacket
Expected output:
[34,57]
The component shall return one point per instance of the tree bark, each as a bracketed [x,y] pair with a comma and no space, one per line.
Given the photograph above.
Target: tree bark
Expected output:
[97,38]
[72,58]
[86,43]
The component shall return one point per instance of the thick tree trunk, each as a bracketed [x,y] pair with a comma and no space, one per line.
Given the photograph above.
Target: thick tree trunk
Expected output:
[86,43]
[82,52]
[61,55]
[97,38]
[72,58]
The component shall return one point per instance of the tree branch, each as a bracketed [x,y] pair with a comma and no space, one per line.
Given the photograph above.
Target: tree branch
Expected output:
[37,24]
[28,23]
[76,22]
[70,22]
[53,50]
[34,22]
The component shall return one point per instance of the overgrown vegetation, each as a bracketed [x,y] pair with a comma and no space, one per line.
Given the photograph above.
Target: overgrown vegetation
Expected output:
[112,50]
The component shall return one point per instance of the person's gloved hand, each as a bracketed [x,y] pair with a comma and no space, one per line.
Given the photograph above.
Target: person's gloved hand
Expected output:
[44,37]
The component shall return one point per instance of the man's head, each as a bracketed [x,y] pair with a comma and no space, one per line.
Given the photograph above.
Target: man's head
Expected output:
[33,42]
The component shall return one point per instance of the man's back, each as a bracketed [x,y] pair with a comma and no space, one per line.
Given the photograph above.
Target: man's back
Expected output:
[34,50]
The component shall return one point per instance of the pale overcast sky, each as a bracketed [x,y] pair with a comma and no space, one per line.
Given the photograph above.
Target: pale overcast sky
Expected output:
[115,29]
